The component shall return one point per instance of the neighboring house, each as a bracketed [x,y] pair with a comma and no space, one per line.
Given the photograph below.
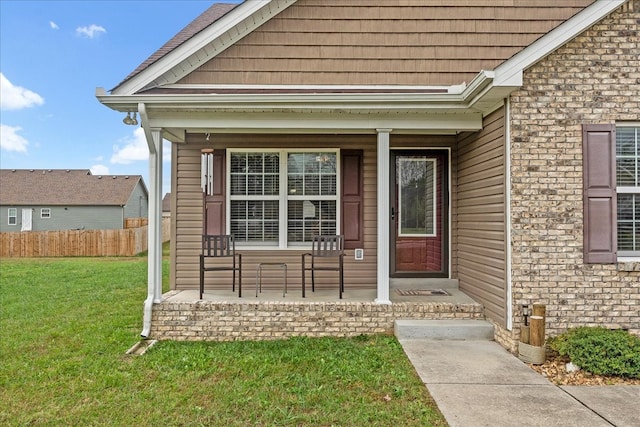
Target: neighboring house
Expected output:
[166,206]
[496,143]
[53,199]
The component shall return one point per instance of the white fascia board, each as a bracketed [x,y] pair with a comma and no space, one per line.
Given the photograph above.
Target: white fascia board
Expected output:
[240,21]
[266,102]
[509,73]
[274,122]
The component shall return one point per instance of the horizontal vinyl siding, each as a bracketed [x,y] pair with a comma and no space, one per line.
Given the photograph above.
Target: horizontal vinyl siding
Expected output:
[138,204]
[188,218]
[69,218]
[383,42]
[481,246]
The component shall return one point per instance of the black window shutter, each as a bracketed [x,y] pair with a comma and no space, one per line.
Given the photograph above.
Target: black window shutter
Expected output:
[352,198]
[599,178]
[214,204]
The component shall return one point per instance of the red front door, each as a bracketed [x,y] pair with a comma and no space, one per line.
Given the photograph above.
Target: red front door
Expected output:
[418,213]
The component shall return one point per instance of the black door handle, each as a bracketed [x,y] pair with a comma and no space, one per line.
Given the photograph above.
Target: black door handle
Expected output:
[393,214]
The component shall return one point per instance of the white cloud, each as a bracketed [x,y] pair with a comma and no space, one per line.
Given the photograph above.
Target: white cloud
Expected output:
[91,31]
[134,149]
[53,25]
[99,170]
[166,151]
[11,141]
[16,97]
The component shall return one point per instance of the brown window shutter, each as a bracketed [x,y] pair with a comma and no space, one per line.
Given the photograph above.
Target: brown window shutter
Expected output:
[214,205]
[352,200]
[600,209]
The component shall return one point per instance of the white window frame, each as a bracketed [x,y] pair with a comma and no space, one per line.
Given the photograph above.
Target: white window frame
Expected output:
[629,255]
[12,213]
[283,197]
[45,213]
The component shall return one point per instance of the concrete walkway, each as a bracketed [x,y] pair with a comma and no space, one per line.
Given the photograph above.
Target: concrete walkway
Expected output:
[478,383]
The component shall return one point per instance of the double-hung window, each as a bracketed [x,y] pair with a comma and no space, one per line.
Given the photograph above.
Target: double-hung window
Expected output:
[45,213]
[281,198]
[628,189]
[12,216]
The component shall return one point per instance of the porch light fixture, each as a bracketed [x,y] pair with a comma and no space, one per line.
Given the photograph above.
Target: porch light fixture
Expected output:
[130,120]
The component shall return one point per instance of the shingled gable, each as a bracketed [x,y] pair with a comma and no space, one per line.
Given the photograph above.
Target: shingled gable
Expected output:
[188,67]
[65,187]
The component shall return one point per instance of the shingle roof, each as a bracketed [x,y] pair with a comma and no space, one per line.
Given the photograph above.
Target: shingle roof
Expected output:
[166,203]
[208,17]
[74,187]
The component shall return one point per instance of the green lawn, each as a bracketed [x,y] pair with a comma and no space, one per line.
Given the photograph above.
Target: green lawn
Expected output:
[66,324]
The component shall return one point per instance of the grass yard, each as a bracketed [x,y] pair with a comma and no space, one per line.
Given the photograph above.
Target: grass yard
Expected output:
[66,324]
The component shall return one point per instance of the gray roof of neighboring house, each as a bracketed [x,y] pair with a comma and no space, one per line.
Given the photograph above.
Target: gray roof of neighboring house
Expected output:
[166,203]
[70,187]
[208,17]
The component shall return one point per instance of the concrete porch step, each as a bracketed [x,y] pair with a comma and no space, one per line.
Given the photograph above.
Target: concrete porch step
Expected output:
[461,329]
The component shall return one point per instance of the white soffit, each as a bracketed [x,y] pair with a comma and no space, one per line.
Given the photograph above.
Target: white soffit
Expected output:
[509,73]
[205,45]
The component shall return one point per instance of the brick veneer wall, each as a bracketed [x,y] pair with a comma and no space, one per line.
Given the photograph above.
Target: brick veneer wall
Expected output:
[225,321]
[593,79]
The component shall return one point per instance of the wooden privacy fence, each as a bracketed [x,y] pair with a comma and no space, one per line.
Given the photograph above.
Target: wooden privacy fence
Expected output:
[66,243]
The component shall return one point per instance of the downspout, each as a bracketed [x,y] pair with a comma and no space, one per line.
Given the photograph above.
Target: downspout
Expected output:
[507,182]
[154,267]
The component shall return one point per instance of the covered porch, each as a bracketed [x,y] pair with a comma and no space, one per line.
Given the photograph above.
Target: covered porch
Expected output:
[458,131]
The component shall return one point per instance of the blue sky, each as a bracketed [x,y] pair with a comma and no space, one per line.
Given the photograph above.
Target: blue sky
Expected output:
[53,55]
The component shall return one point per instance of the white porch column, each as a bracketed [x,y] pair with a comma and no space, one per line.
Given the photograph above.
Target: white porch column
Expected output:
[383,217]
[154,281]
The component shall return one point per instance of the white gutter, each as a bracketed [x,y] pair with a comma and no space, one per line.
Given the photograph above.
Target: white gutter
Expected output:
[507,207]
[154,265]
[144,122]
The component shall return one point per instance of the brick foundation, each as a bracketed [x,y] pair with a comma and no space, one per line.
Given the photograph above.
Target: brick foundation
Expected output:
[225,321]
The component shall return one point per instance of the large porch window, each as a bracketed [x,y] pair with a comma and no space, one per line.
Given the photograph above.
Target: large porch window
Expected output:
[282,198]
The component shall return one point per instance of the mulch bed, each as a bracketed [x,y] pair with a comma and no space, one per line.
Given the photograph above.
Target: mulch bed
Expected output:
[554,369]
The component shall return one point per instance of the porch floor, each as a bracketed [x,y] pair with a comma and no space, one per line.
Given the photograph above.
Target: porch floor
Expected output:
[294,294]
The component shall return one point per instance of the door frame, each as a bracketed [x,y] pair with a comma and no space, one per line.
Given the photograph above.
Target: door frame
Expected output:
[444,228]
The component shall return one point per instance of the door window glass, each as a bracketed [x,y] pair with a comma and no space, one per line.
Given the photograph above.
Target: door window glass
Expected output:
[417,196]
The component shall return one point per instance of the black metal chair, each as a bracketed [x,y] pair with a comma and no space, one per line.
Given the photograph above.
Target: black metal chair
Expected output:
[324,248]
[220,246]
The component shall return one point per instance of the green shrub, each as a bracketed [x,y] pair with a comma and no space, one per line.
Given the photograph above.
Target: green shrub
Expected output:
[601,351]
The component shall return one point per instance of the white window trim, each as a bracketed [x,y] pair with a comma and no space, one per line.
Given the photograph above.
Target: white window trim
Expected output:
[282,197]
[628,256]
[48,212]
[15,216]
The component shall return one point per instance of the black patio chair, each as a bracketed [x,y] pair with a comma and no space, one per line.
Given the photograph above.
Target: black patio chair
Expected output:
[323,249]
[220,246]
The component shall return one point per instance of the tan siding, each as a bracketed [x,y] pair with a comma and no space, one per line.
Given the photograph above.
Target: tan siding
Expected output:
[358,274]
[384,42]
[481,212]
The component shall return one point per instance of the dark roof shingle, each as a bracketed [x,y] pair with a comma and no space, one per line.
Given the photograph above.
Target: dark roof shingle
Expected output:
[73,187]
